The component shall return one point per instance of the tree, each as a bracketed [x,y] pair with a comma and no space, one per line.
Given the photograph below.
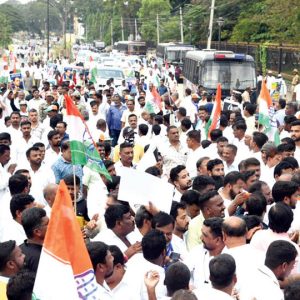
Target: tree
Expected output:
[5,31]
[148,14]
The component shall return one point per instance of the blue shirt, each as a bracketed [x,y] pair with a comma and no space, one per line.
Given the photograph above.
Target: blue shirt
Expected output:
[162,90]
[61,168]
[65,138]
[113,118]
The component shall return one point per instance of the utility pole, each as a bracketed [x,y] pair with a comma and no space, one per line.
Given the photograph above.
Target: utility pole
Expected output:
[157,28]
[65,27]
[181,25]
[111,33]
[48,29]
[135,29]
[86,31]
[211,19]
[122,27]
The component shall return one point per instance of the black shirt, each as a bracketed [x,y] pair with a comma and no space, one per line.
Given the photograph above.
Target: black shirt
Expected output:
[32,255]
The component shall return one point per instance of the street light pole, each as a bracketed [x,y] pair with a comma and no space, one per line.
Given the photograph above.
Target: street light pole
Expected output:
[48,29]
[210,28]
[65,28]
[220,23]
[190,28]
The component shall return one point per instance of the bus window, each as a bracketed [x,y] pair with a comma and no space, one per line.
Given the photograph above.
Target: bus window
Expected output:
[231,75]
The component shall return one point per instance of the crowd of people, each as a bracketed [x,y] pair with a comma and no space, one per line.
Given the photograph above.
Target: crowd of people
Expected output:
[233,228]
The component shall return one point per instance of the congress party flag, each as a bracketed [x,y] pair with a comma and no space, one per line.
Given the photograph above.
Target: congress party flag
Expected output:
[83,147]
[216,113]
[65,270]
[156,97]
[266,114]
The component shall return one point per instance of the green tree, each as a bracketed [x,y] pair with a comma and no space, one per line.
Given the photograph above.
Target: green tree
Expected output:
[14,17]
[148,14]
[5,31]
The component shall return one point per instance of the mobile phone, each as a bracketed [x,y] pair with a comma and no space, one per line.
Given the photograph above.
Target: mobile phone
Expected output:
[175,256]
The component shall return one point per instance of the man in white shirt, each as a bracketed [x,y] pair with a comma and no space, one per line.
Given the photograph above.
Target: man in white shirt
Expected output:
[296,94]
[180,177]
[249,115]
[173,152]
[4,174]
[36,101]
[14,129]
[25,142]
[259,139]
[120,226]
[280,111]
[199,257]
[37,128]
[280,219]
[194,144]
[152,259]
[143,137]
[223,278]
[18,184]
[118,281]
[279,262]
[12,261]
[41,175]
[53,152]
[273,158]
[239,130]
[13,229]
[246,257]
[295,135]
[181,224]
[177,278]
[229,155]
[253,164]
[102,262]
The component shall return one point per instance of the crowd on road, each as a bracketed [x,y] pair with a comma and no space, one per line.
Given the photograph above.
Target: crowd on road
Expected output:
[232,230]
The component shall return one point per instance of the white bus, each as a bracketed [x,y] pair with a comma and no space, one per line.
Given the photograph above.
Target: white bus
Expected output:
[210,67]
[131,47]
[173,53]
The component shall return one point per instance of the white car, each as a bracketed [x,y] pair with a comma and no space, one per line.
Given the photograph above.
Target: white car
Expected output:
[105,73]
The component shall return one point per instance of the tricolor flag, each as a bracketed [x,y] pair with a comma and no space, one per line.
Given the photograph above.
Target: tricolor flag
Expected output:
[156,97]
[215,114]
[65,270]
[83,148]
[93,75]
[156,80]
[266,114]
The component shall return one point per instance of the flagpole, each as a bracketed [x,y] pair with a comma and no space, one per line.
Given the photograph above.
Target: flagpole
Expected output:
[75,194]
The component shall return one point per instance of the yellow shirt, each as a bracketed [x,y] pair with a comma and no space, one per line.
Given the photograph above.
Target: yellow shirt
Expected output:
[138,152]
[3,284]
[194,232]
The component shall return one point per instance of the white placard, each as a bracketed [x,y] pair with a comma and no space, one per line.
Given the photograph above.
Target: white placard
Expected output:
[140,188]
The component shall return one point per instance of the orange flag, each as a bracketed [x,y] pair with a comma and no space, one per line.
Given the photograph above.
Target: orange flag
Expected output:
[65,270]
[216,113]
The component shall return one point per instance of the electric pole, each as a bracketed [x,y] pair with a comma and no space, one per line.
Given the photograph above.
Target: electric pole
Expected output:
[122,27]
[135,29]
[181,25]
[211,20]
[111,33]
[48,29]
[157,28]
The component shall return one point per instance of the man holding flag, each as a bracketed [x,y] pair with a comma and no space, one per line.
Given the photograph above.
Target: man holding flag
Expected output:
[71,278]
[266,115]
